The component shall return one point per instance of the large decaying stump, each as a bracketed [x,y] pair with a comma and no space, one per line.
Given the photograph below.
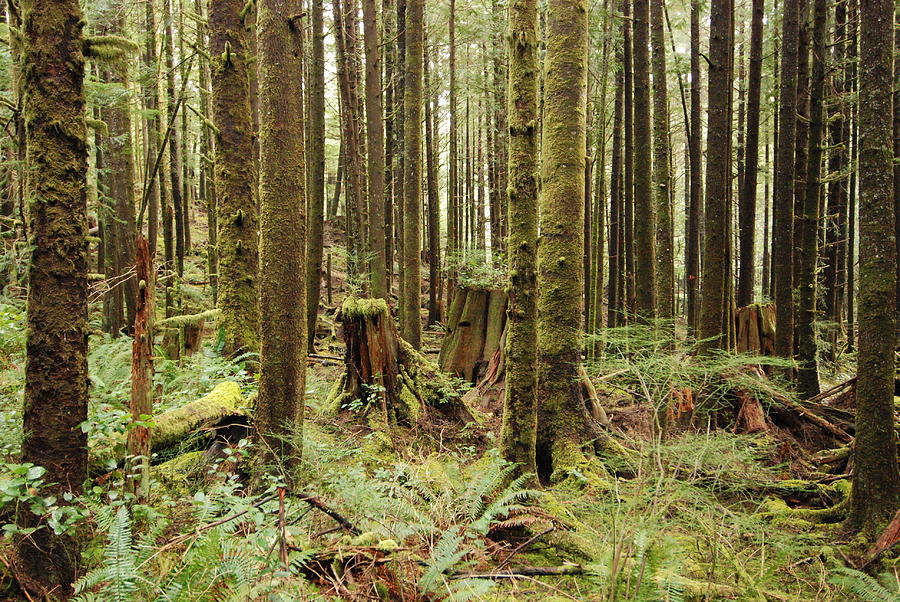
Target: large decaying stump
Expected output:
[384,373]
[476,323]
[756,329]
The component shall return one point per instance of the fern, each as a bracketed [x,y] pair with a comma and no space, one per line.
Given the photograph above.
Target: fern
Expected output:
[866,587]
[118,571]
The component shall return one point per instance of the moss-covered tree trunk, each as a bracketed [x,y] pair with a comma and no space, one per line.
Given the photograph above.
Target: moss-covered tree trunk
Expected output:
[662,194]
[644,211]
[783,201]
[695,144]
[628,161]
[432,142]
[315,163]
[56,379]
[375,156]
[876,483]
[808,373]
[175,158]
[153,185]
[207,164]
[282,195]
[562,428]
[235,180]
[519,430]
[411,322]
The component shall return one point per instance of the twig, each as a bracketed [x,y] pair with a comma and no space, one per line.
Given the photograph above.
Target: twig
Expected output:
[320,505]
[524,571]
[324,357]
[523,546]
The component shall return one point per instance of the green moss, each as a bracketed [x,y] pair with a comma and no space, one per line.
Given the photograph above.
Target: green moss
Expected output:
[356,308]
[177,474]
[168,428]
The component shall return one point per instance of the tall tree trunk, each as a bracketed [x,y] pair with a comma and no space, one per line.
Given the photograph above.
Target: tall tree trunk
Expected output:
[692,260]
[616,293]
[801,157]
[783,202]
[808,373]
[238,214]
[644,210]
[434,225]
[718,177]
[747,199]
[519,430]
[177,207]
[282,195]
[628,184]
[315,163]
[876,482]
[153,189]
[563,429]
[665,235]
[56,370]
[207,162]
[453,201]
[852,195]
[375,133]
[412,186]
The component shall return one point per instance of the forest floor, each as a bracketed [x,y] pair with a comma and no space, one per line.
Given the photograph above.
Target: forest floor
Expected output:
[377,512]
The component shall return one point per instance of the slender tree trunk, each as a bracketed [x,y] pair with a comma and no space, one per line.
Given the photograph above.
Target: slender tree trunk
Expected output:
[801,158]
[747,200]
[177,207]
[412,185]
[616,294]
[783,202]
[644,211]
[766,259]
[150,92]
[876,482]
[718,177]
[235,183]
[282,191]
[375,133]
[434,226]
[665,235]
[808,373]
[628,184]
[207,163]
[56,370]
[519,430]
[315,200]
[852,87]
[692,261]
[453,202]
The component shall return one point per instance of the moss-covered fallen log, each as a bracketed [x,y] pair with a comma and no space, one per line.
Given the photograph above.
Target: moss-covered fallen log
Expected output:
[222,408]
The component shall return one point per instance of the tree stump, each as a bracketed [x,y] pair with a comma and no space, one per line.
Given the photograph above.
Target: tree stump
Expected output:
[476,324]
[384,372]
[756,329]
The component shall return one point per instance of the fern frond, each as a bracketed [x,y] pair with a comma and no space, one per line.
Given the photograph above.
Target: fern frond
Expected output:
[866,587]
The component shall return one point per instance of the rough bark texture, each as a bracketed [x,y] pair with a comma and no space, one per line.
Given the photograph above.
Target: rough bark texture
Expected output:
[434,224]
[628,162]
[692,253]
[519,430]
[315,198]
[282,243]
[876,483]
[383,372]
[562,426]
[747,197]
[616,292]
[236,184]
[141,374]
[375,156]
[644,210]
[783,202]
[411,324]
[662,195]
[56,379]
[718,176]
[475,324]
[808,372]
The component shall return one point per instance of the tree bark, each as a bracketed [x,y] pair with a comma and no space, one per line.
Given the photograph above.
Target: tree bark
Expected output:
[783,202]
[375,145]
[692,258]
[718,176]
[876,482]
[238,215]
[412,174]
[519,430]
[56,370]
[315,163]
[282,221]
[665,252]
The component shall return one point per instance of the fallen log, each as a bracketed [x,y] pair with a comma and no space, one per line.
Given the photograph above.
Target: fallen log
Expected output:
[221,409]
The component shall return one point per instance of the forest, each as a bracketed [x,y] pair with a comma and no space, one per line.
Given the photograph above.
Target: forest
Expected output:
[449,300]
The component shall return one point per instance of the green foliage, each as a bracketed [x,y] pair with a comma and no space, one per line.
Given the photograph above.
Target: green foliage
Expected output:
[472,269]
[866,587]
